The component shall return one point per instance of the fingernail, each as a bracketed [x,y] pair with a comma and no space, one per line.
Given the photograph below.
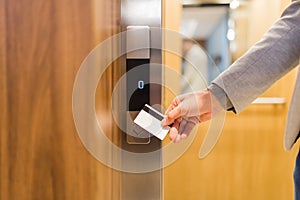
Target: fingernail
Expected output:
[183,136]
[177,139]
[163,122]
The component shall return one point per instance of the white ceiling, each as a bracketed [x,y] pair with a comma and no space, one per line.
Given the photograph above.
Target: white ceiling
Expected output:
[199,22]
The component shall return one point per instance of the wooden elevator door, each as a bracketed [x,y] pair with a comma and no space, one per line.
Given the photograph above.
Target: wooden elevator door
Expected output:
[42,44]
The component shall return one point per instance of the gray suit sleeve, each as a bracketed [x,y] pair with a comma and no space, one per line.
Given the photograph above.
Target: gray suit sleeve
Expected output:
[266,62]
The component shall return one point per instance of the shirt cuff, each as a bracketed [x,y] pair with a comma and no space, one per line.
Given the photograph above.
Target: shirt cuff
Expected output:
[221,96]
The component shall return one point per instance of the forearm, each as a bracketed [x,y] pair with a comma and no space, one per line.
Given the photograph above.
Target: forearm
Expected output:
[268,60]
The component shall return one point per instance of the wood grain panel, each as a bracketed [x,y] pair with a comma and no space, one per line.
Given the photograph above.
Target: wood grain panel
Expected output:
[41,154]
[3,102]
[104,90]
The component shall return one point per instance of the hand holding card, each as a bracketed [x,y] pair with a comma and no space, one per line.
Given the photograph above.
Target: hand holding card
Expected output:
[151,121]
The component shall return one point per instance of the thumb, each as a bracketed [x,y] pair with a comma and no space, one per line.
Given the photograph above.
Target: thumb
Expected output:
[172,115]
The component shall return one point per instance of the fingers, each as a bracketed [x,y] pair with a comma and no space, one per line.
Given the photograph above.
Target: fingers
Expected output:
[175,113]
[172,116]
[181,130]
[182,126]
[187,129]
[188,110]
[174,130]
[172,113]
[173,133]
[173,105]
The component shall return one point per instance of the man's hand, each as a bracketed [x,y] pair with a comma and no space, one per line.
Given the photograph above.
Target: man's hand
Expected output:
[187,110]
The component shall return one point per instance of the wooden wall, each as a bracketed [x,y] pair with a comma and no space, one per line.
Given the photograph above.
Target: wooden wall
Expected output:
[42,44]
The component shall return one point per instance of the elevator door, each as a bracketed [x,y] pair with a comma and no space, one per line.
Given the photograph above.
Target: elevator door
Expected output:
[42,44]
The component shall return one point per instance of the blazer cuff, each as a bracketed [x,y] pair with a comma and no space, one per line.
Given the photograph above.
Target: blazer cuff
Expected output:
[221,96]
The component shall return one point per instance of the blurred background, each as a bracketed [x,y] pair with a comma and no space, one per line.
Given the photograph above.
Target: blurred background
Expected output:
[42,44]
[248,162]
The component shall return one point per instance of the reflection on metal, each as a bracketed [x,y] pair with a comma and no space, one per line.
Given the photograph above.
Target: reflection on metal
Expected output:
[138,37]
[141,19]
[269,100]
[200,22]
[193,2]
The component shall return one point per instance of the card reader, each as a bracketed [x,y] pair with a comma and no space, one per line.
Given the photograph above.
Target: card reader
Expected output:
[150,120]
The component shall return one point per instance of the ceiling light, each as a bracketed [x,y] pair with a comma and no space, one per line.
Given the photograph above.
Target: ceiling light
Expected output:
[234,4]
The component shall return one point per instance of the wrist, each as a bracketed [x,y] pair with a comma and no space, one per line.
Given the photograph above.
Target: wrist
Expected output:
[208,102]
[219,94]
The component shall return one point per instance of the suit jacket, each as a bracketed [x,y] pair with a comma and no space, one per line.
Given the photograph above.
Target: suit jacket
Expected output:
[268,60]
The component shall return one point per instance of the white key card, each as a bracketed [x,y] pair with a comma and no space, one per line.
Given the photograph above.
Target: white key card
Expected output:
[150,120]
